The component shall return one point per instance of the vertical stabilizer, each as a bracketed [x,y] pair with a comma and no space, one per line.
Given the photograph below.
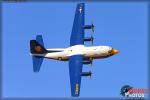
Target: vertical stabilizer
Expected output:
[37,47]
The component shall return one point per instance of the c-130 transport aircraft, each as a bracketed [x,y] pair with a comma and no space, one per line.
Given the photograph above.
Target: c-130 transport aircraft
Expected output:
[77,54]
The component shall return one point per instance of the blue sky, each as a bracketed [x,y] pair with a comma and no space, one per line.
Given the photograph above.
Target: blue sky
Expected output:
[120,25]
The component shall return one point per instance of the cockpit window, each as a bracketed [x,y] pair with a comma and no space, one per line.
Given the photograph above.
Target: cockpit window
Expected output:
[110,51]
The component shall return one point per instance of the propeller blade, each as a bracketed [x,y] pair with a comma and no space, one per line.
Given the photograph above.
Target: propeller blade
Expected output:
[91,75]
[92,26]
[92,41]
[91,63]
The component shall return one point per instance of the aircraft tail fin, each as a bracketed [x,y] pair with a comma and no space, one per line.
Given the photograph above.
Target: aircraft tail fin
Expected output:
[37,48]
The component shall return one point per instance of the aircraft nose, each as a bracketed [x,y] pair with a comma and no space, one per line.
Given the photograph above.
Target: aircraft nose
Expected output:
[115,51]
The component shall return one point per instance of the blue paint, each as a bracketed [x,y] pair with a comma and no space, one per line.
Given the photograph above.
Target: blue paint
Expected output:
[77,35]
[75,70]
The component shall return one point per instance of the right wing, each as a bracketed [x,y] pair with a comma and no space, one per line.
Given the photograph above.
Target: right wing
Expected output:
[75,70]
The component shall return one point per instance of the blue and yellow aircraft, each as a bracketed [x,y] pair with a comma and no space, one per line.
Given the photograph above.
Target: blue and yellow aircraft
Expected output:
[77,54]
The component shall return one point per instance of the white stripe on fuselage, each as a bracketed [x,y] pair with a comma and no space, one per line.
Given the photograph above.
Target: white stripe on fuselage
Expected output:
[87,52]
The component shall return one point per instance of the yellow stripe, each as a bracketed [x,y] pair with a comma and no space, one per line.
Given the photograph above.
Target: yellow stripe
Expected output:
[77,88]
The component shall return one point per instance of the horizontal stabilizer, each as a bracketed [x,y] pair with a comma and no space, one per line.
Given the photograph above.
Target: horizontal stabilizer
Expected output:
[39,39]
[37,61]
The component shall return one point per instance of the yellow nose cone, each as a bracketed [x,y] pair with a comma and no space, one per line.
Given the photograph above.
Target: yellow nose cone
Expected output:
[115,51]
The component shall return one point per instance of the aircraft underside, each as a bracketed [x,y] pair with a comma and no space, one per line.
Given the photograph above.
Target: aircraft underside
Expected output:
[85,57]
[77,54]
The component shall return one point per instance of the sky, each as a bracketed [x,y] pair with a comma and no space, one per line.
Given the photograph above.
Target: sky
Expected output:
[123,26]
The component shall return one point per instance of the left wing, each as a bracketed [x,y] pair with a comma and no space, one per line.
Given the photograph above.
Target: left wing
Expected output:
[77,35]
[76,61]
[75,70]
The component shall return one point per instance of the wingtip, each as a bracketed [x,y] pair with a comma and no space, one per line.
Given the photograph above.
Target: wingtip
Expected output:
[81,4]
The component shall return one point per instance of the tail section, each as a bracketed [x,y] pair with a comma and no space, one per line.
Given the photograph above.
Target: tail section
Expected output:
[36,48]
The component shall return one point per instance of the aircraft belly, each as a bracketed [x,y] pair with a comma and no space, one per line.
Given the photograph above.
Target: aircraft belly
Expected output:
[56,56]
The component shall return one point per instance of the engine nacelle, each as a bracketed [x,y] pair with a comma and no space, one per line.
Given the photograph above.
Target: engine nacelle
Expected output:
[89,27]
[86,74]
[89,39]
[87,62]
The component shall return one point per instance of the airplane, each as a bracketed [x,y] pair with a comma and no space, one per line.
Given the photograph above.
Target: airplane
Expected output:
[77,54]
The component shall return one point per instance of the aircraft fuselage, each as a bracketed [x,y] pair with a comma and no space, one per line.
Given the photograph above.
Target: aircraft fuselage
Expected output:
[89,53]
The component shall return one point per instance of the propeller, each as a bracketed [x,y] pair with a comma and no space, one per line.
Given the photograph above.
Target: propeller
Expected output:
[91,74]
[91,63]
[92,39]
[92,26]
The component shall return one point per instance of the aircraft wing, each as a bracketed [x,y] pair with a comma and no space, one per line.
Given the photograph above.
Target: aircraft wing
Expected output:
[77,35]
[75,70]
[76,61]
